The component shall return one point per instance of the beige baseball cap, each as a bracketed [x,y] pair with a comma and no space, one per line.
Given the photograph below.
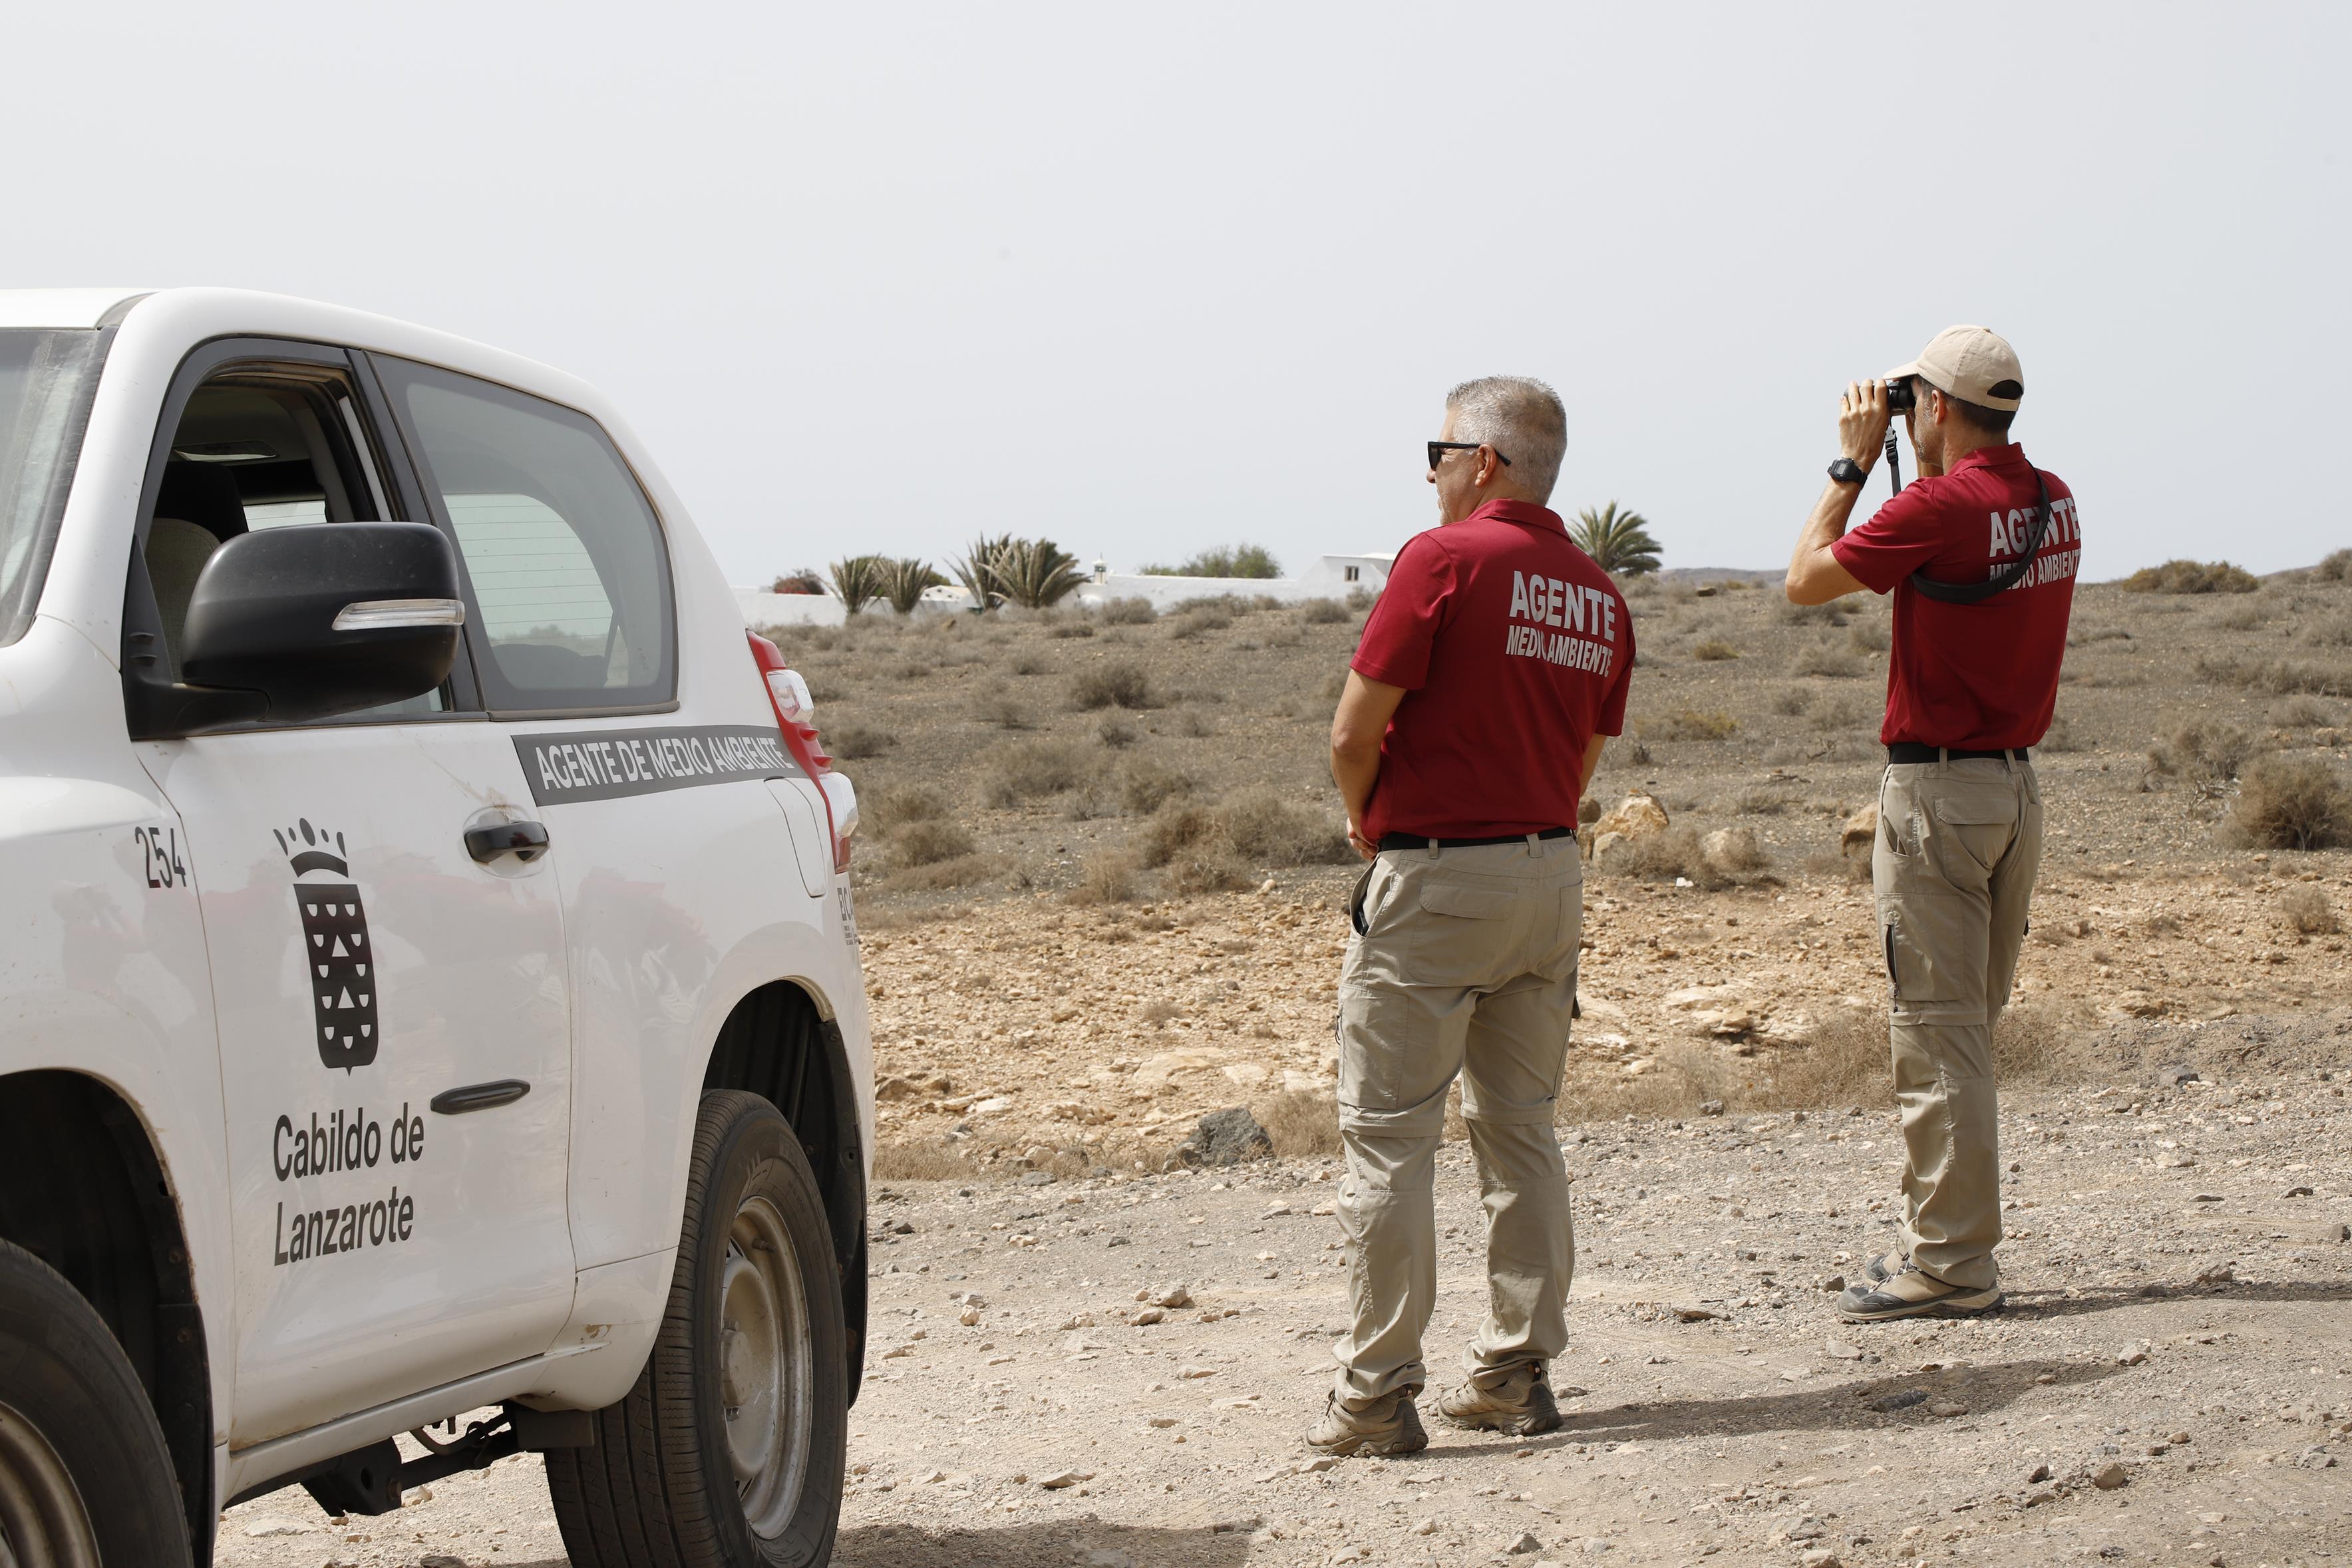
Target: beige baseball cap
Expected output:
[1975,364]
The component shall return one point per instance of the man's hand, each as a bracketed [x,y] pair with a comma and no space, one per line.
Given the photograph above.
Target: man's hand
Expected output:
[1363,846]
[1863,418]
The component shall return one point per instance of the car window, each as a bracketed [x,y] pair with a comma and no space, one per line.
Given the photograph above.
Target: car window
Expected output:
[260,446]
[564,557]
[46,378]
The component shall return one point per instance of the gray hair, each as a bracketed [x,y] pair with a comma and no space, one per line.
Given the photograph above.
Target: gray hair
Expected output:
[1520,417]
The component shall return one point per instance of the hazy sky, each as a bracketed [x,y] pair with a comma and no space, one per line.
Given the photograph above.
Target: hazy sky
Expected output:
[1148,278]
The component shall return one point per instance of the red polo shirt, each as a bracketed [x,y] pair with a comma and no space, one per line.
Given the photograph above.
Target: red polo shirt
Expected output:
[1980,677]
[1514,650]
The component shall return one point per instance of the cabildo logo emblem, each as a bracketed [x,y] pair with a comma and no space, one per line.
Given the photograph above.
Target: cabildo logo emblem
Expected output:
[335,936]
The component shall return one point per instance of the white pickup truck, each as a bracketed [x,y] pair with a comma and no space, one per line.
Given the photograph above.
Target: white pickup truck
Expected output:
[429,982]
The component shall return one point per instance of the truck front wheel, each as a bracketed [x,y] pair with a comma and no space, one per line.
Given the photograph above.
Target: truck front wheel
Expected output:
[85,1478]
[729,1452]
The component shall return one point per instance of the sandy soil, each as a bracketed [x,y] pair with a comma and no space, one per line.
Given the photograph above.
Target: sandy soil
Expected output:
[1728,1415]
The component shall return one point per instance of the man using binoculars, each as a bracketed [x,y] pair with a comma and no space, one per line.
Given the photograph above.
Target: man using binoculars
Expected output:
[1981,553]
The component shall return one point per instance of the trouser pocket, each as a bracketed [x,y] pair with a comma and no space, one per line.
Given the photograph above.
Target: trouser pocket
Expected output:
[1914,973]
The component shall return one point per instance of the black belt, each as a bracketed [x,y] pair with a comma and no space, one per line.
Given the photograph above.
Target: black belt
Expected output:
[1424,841]
[1912,751]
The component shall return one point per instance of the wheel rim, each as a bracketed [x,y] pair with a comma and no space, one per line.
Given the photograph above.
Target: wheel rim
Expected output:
[767,1358]
[43,1524]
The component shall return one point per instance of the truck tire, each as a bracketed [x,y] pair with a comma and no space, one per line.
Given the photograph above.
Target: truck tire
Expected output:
[85,1478]
[729,1451]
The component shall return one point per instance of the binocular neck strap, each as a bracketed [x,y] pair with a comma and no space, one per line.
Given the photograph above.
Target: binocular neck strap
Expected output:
[2008,576]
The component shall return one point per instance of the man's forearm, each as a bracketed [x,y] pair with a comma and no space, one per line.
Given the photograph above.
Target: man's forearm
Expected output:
[1355,772]
[1591,765]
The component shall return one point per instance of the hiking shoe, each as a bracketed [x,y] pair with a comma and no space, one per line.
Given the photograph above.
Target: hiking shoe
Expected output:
[1520,1404]
[1383,1429]
[1886,1266]
[1912,1292]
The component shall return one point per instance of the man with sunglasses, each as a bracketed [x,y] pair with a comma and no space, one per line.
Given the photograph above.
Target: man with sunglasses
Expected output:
[1488,676]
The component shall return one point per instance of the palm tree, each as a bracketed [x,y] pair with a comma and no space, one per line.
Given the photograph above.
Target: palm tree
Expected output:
[1034,573]
[1618,542]
[977,570]
[903,582]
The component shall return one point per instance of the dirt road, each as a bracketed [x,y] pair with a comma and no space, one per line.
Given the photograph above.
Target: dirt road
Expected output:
[1727,1416]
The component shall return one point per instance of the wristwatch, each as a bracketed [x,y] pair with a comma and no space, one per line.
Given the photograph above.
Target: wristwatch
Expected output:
[1846,471]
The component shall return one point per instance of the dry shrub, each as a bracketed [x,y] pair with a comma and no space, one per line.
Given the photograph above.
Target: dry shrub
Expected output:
[887,810]
[1109,878]
[1843,712]
[1754,801]
[1334,684]
[2059,736]
[1323,612]
[1173,830]
[2240,617]
[896,1160]
[1691,723]
[1145,786]
[1267,830]
[1790,701]
[2191,577]
[1195,618]
[1679,851]
[1207,867]
[999,709]
[1027,663]
[1115,732]
[1869,637]
[962,872]
[1714,651]
[2209,751]
[1026,770]
[1833,613]
[2280,677]
[1846,1060]
[2308,913]
[1118,682]
[928,842]
[2337,568]
[1826,660]
[1303,1125]
[2293,803]
[2303,712]
[857,742]
[2331,631]
[1071,629]
[2032,1044]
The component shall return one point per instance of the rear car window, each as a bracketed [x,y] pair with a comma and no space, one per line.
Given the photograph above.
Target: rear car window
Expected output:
[563,554]
[46,380]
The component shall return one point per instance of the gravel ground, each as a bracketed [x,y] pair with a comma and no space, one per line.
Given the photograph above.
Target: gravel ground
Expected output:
[2177,1271]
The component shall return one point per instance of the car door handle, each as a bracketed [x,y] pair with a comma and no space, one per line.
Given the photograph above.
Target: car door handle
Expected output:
[524,841]
[480,1096]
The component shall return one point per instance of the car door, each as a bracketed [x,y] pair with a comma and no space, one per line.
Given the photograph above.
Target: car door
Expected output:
[390,981]
[675,853]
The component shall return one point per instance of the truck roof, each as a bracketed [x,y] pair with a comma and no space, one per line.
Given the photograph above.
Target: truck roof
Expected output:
[54,308]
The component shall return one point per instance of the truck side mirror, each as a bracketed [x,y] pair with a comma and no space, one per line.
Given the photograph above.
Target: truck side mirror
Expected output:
[321,619]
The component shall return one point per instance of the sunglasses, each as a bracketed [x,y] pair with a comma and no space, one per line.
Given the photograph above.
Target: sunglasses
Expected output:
[1438,449]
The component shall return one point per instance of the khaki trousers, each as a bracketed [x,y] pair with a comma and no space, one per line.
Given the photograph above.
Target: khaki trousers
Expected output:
[1464,963]
[1958,844]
